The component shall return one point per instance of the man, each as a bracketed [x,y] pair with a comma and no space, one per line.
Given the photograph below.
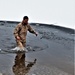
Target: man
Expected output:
[20,32]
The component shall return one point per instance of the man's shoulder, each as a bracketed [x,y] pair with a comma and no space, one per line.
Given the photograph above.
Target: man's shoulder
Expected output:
[19,24]
[28,25]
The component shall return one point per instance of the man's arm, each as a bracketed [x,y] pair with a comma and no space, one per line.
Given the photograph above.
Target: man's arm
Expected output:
[31,30]
[16,31]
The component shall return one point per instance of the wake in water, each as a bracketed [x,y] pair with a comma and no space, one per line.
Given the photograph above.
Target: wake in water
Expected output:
[19,49]
[14,50]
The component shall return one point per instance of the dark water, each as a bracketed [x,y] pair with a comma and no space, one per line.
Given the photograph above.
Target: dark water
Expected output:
[53,48]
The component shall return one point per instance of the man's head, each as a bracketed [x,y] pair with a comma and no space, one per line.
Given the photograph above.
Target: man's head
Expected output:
[25,20]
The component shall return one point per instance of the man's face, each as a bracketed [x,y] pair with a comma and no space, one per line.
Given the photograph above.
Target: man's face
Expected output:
[25,21]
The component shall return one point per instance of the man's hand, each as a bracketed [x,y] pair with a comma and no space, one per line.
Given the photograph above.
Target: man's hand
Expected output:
[36,33]
[18,38]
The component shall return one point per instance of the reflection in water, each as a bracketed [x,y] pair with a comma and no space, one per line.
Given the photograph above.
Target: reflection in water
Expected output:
[20,67]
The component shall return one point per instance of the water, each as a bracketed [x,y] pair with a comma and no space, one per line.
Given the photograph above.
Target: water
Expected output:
[53,48]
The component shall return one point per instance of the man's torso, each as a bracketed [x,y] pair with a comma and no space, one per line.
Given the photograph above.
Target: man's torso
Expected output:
[23,31]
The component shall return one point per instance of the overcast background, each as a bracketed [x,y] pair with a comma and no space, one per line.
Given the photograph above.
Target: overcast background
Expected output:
[59,12]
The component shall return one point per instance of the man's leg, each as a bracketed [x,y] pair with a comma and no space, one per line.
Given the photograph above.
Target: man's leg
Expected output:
[24,44]
[19,44]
